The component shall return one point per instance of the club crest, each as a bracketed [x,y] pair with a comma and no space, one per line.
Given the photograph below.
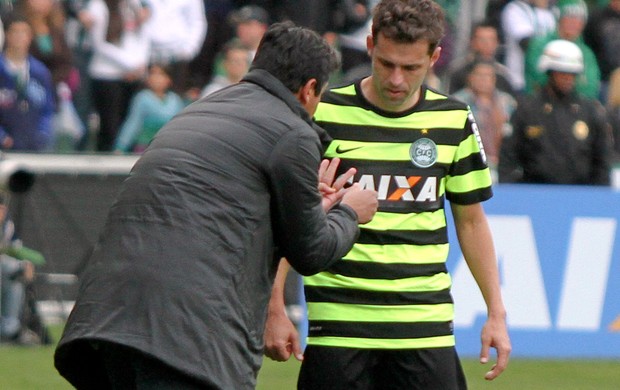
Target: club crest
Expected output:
[423,153]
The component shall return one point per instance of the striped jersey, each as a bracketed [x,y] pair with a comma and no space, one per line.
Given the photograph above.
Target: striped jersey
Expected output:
[392,290]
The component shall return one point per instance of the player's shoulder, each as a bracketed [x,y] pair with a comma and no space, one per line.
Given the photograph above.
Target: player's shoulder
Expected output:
[435,100]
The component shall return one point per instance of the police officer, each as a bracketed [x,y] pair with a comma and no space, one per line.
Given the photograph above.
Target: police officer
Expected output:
[558,137]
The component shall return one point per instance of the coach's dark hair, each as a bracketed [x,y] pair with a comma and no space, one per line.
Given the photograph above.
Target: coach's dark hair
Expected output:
[295,55]
[408,21]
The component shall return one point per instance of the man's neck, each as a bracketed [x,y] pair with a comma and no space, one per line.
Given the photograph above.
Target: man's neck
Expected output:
[371,95]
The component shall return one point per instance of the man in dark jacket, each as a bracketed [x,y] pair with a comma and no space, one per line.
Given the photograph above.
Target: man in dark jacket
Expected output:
[176,291]
[558,136]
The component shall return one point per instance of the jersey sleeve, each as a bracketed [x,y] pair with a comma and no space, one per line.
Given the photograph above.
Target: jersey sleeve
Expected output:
[469,179]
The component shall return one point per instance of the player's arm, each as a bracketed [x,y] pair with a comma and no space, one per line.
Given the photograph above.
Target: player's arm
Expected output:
[281,337]
[476,244]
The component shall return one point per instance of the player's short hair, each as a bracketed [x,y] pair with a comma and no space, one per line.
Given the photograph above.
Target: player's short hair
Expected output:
[409,21]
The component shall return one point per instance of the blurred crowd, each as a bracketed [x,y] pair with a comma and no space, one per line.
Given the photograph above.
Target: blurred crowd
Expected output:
[105,75]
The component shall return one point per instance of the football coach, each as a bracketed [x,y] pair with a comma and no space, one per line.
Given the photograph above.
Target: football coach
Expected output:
[175,293]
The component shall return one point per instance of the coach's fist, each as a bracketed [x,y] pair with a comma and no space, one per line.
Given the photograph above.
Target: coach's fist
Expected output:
[364,202]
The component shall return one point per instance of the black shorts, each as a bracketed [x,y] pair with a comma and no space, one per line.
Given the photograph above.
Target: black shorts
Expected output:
[326,368]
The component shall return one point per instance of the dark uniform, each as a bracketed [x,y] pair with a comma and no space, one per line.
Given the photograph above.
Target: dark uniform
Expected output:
[557,140]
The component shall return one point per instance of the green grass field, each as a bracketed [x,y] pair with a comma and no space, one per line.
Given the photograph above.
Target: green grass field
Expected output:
[31,368]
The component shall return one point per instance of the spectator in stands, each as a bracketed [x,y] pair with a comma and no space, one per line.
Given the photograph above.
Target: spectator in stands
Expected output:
[26,92]
[491,107]
[493,14]
[352,46]
[177,29]
[345,24]
[150,109]
[47,19]
[235,65]
[121,49]
[483,46]
[219,32]
[78,22]
[571,21]
[251,23]
[559,137]
[16,273]
[522,20]
[601,34]
[325,16]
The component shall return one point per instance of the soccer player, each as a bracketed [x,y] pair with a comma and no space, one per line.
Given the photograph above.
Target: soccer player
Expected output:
[382,317]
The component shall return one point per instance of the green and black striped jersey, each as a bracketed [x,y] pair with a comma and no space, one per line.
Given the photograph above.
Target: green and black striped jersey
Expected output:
[392,290]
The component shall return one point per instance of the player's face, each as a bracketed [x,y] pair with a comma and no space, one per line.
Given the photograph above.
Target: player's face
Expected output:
[398,71]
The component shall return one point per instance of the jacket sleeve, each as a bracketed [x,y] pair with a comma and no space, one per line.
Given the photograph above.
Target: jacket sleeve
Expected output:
[309,238]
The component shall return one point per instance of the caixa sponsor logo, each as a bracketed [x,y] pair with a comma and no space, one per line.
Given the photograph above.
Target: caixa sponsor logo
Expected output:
[401,188]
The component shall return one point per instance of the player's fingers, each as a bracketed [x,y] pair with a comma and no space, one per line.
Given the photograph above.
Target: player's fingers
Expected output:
[279,352]
[503,354]
[344,178]
[492,374]
[282,353]
[296,348]
[322,168]
[330,172]
[325,189]
[484,352]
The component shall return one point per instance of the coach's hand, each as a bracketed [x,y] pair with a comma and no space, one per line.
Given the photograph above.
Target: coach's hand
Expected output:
[281,338]
[364,202]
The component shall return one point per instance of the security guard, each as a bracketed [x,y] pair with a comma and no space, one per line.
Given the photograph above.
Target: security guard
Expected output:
[558,137]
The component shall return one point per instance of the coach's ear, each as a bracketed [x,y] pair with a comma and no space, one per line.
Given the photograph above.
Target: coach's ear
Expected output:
[308,96]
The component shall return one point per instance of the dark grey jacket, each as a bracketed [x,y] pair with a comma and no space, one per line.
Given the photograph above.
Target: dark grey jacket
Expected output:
[184,267]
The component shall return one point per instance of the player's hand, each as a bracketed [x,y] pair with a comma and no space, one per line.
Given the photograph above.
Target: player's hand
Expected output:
[330,187]
[281,338]
[495,335]
[364,202]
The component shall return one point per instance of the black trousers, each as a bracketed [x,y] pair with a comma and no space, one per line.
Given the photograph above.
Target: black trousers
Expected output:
[125,368]
[111,99]
[334,368]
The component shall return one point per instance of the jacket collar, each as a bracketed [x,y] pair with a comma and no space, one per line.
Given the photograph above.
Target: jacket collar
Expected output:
[275,87]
